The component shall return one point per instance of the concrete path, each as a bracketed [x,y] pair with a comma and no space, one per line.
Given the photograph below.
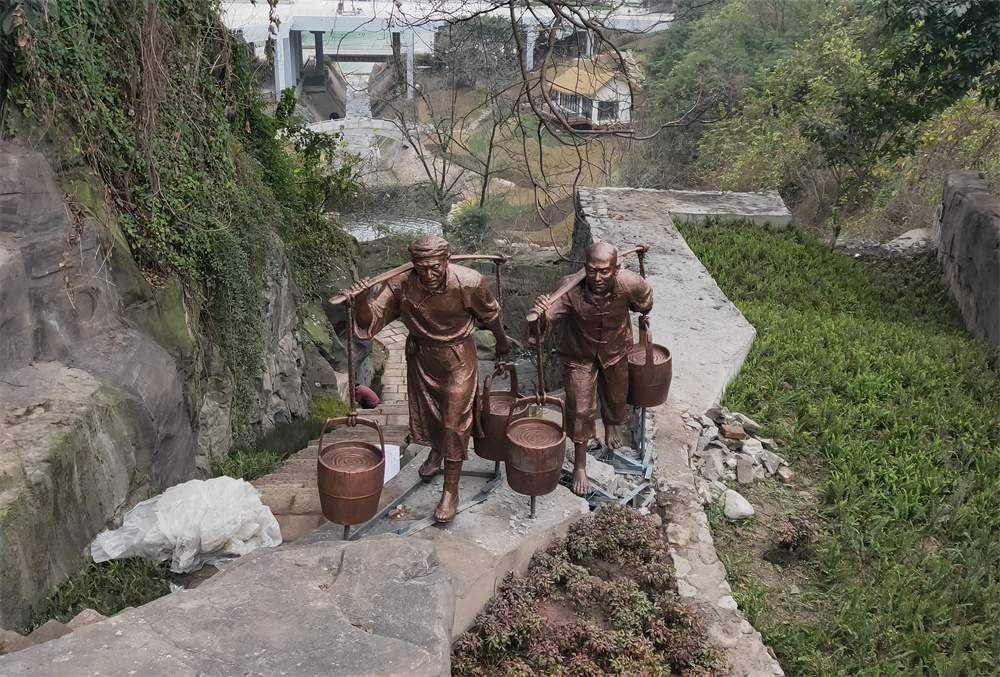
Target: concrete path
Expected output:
[709,339]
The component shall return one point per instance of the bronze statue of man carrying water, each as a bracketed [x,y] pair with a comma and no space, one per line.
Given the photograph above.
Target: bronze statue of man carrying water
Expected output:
[440,303]
[596,340]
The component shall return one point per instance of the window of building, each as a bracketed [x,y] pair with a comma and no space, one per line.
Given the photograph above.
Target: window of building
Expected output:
[607,110]
[569,102]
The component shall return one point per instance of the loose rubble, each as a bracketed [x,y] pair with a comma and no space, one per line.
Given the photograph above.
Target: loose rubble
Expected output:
[727,449]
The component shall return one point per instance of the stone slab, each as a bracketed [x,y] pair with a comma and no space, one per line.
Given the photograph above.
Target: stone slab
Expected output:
[703,205]
[377,608]
[484,543]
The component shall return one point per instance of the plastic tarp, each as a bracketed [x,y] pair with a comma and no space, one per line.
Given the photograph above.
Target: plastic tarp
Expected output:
[192,524]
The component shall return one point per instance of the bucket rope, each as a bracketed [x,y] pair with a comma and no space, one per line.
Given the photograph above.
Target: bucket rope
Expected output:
[352,413]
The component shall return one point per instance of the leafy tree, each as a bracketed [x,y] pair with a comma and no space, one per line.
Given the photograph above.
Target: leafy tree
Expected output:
[947,45]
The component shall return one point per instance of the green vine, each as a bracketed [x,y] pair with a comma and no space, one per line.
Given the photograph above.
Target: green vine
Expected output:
[162,102]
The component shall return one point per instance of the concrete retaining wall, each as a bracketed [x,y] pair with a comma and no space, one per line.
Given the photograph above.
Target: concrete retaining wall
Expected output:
[969,251]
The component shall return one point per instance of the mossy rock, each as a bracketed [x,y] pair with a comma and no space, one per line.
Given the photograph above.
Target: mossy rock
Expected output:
[165,319]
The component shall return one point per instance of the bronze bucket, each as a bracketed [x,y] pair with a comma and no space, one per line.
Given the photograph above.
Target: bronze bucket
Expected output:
[650,368]
[350,475]
[536,449]
[495,410]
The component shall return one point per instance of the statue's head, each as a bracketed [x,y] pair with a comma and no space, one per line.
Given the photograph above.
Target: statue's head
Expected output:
[430,255]
[601,267]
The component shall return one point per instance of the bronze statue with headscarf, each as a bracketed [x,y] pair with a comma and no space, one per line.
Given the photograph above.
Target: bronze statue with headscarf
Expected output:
[440,304]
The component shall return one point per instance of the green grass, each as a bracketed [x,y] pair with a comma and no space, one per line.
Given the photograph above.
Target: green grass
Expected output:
[247,464]
[107,588]
[325,407]
[891,398]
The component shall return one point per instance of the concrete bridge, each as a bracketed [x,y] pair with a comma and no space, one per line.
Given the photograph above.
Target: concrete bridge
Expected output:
[374,126]
[405,22]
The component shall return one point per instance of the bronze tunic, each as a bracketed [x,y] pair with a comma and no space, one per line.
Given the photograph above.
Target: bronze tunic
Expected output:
[441,361]
[597,334]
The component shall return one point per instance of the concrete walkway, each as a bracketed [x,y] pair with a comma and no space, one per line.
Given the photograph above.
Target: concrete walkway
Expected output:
[709,339]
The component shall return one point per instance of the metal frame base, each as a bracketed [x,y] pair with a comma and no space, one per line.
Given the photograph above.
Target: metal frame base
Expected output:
[362,529]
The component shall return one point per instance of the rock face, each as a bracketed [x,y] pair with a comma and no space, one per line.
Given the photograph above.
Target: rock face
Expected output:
[283,393]
[968,238]
[92,411]
[107,388]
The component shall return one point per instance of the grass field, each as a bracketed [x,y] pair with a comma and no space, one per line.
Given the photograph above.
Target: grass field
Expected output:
[890,410]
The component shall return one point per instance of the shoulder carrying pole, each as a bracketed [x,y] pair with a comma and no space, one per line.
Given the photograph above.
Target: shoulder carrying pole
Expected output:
[576,278]
[406,267]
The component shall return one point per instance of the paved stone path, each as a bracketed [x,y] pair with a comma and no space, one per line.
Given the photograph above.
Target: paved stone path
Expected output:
[290,492]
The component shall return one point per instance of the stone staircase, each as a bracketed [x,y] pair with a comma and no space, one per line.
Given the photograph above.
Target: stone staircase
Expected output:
[290,492]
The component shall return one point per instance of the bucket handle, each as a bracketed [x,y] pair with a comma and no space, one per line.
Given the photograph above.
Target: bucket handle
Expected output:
[501,367]
[543,400]
[351,421]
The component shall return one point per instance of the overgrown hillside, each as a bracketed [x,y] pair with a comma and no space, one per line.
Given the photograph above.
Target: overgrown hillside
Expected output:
[852,110]
[161,102]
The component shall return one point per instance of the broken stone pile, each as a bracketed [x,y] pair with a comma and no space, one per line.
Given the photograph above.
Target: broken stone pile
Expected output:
[728,450]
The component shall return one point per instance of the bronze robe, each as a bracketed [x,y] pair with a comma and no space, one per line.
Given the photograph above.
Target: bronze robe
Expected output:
[441,362]
[597,334]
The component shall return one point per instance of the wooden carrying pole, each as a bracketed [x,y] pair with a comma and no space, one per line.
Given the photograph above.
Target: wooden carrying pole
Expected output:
[576,278]
[389,274]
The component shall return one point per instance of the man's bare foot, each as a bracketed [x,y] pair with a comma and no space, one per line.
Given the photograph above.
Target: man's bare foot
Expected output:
[612,437]
[581,485]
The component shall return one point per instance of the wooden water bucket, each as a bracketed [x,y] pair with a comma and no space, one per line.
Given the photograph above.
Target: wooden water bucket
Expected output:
[495,410]
[650,368]
[350,475]
[536,448]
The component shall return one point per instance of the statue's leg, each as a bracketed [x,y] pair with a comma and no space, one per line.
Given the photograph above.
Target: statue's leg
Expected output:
[612,389]
[581,401]
[581,483]
[448,505]
[430,468]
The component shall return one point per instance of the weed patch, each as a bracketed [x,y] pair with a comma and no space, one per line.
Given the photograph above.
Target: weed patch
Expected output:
[890,413]
[107,588]
[246,464]
[325,407]
[602,601]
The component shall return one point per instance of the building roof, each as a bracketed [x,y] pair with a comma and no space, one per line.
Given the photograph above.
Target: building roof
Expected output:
[586,76]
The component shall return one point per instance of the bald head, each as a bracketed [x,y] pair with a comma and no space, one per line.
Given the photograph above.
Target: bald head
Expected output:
[601,267]
[602,251]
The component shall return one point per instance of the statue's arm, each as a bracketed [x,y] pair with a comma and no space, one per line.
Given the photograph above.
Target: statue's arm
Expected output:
[642,297]
[550,314]
[372,314]
[486,310]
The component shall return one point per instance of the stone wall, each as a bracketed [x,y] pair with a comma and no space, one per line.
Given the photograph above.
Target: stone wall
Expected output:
[969,251]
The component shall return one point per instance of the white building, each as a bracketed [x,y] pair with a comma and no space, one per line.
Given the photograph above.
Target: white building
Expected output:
[594,93]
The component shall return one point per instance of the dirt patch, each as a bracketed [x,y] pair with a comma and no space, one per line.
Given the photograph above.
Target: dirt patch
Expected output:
[768,573]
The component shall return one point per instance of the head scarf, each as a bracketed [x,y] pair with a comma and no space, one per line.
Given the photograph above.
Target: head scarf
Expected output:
[427,246]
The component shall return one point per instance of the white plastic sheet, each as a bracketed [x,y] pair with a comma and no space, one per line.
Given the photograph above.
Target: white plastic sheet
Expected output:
[192,524]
